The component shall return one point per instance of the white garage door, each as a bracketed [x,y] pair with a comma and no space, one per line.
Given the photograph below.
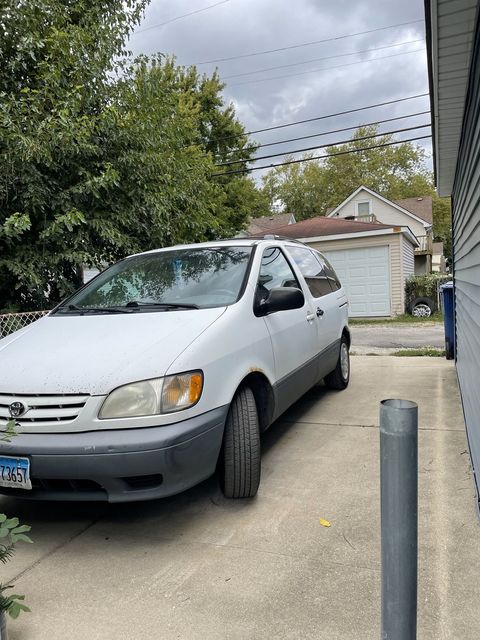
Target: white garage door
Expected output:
[365,274]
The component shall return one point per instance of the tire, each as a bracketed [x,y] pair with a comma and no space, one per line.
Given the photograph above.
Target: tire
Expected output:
[422,307]
[340,377]
[240,471]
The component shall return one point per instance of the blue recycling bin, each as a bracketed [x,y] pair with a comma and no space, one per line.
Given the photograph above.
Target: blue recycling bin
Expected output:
[448,319]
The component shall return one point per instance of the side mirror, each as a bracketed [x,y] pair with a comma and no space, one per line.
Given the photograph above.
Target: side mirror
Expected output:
[281,299]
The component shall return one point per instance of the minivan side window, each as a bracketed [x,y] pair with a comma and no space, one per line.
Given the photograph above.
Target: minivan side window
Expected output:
[274,272]
[329,272]
[311,270]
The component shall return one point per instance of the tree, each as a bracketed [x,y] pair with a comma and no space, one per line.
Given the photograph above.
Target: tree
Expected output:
[220,135]
[442,224]
[301,188]
[310,188]
[102,157]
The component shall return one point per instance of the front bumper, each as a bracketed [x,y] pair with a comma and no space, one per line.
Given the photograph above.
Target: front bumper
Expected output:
[120,465]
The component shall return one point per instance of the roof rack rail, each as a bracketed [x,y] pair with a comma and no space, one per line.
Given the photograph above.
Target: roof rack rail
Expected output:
[271,236]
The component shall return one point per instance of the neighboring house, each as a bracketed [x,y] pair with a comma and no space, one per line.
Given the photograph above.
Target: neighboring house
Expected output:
[438,259]
[453,46]
[366,205]
[265,224]
[372,260]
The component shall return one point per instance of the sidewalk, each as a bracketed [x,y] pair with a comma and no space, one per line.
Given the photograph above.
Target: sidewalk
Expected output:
[197,566]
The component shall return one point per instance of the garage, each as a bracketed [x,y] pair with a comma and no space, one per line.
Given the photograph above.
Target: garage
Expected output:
[365,274]
[372,260]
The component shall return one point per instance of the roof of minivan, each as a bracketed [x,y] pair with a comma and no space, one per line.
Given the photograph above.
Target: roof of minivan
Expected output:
[232,242]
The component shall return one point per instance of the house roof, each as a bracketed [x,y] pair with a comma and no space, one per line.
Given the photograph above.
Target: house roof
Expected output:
[420,206]
[393,203]
[450,27]
[267,223]
[322,226]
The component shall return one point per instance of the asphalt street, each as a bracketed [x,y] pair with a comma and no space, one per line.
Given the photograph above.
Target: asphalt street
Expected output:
[384,338]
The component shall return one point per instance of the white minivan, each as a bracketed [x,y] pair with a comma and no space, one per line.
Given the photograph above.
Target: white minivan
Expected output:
[165,369]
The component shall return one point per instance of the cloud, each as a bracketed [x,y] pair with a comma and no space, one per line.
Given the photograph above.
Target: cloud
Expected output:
[240,27]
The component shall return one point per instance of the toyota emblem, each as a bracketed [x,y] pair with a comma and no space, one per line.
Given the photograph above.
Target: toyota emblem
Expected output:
[17,409]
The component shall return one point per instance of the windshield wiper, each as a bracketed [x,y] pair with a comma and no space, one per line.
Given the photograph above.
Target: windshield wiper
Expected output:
[162,305]
[73,307]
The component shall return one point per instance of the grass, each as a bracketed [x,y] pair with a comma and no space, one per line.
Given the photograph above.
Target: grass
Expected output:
[404,318]
[424,351]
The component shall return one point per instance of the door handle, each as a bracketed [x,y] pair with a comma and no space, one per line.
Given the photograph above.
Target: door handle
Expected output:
[310,317]
[320,312]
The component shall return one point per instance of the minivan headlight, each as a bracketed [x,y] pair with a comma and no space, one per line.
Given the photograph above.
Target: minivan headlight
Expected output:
[152,397]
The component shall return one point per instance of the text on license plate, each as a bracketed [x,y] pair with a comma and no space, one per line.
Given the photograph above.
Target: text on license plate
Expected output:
[15,472]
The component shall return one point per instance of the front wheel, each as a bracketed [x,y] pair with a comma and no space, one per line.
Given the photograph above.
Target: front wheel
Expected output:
[240,471]
[340,376]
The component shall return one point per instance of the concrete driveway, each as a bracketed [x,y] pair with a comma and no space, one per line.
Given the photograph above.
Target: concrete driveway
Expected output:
[196,566]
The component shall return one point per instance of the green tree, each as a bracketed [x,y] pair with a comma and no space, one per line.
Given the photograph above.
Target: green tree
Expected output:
[220,135]
[300,188]
[310,188]
[442,224]
[101,157]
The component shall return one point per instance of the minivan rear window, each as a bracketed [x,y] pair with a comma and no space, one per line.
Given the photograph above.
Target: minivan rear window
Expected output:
[166,280]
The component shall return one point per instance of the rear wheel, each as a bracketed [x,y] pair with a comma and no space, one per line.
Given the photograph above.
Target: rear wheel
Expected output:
[340,376]
[240,471]
[422,307]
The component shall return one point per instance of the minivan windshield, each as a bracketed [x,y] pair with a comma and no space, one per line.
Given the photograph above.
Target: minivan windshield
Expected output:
[165,281]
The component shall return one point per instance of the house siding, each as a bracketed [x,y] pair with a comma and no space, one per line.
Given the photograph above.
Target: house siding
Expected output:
[393,241]
[466,248]
[408,264]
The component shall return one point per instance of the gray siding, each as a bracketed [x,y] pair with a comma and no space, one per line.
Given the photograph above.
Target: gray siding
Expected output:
[466,242]
[408,259]
[408,264]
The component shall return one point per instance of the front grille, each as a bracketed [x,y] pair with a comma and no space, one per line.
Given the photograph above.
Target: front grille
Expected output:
[42,409]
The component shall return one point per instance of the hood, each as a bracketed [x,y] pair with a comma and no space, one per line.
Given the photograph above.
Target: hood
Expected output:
[93,354]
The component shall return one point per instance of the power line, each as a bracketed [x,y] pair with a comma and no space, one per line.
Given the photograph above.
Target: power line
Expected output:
[340,55]
[328,115]
[324,146]
[338,66]
[185,15]
[327,155]
[325,133]
[308,44]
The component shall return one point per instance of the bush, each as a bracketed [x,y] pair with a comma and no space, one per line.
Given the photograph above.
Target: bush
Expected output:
[425,286]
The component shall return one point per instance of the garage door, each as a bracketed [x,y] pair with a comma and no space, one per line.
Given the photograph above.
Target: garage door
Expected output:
[365,274]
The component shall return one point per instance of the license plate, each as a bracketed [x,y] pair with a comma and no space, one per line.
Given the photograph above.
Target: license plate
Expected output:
[15,472]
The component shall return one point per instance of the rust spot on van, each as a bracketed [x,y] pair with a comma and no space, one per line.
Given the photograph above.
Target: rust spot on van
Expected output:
[256,370]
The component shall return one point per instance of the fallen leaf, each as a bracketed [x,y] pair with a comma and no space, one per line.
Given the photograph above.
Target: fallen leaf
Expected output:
[325,523]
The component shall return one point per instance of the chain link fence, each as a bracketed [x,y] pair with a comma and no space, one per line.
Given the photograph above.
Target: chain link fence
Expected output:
[10,322]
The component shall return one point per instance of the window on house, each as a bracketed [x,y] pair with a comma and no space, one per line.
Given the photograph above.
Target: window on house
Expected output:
[363,208]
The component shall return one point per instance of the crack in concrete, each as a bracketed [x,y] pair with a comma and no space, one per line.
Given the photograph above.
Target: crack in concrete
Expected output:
[364,426]
[54,550]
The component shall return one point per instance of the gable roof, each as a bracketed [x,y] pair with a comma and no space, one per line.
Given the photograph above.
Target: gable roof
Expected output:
[422,206]
[322,226]
[393,203]
[267,223]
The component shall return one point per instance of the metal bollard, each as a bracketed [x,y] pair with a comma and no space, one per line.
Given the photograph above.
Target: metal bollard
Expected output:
[399,489]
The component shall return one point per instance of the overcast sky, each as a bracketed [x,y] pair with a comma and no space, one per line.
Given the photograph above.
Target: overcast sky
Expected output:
[312,87]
